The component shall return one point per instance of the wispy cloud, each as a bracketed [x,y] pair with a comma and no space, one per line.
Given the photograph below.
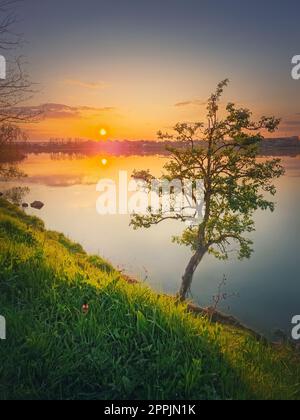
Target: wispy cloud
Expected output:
[291,123]
[86,85]
[62,111]
[195,102]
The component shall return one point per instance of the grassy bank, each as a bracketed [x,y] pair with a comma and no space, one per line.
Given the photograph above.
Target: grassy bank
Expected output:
[132,343]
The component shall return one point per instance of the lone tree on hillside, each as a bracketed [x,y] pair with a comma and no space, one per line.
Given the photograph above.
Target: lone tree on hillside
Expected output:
[223,155]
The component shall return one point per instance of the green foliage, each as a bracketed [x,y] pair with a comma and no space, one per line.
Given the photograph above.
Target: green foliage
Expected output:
[74,248]
[131,344]
[15,231]
[11,210]
[101,264]
[16,194]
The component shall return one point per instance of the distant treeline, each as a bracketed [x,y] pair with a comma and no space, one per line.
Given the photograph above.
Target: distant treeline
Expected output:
[286,146]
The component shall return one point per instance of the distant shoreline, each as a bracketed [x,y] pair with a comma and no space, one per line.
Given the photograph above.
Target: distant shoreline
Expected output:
[289,146]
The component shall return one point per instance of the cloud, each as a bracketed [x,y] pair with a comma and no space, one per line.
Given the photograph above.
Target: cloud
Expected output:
[86,85]
[195,102]
[290,127]
[61,111]
[292,123]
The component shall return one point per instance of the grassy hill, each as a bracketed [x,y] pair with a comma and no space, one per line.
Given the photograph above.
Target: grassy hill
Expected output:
[131,344]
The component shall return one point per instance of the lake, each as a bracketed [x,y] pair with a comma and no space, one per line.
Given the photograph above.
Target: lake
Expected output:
[268,285]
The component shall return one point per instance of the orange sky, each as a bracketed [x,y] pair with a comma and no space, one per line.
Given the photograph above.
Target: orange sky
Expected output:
[137,67]
[135,122]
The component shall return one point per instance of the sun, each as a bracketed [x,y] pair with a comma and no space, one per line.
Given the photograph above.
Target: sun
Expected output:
[104,162]
[103,132]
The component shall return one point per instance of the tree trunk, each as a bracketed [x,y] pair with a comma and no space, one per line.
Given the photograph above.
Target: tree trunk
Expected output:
[189,273]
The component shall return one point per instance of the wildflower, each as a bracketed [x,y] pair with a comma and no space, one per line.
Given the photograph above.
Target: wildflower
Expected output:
[85,308]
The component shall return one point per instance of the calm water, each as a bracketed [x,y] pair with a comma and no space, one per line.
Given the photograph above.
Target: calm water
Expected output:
[268,285]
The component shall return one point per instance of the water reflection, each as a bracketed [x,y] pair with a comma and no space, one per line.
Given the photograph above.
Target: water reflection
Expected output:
[268,285]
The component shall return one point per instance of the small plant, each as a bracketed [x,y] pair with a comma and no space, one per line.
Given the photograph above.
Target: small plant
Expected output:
[221,296]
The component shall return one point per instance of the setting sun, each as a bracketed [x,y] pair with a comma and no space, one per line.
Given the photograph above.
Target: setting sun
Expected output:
[103,132]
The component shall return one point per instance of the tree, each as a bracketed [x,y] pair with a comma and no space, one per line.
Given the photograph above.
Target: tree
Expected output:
[223,155]
[14,90]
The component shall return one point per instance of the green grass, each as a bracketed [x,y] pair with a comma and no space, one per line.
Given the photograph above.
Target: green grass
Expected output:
[132,344]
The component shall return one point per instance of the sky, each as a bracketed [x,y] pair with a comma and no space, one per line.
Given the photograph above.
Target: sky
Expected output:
[134,67]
